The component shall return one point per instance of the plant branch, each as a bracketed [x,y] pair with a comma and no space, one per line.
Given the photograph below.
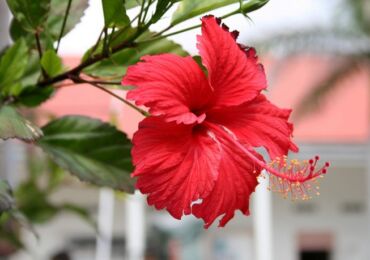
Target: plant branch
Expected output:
[97,42]
[160,36]
[128,43]
[64,24]
[39,50]
[105,41]
[97,85]
[38,44]
[105,82]
[141,12]
[147,9]
[75,71]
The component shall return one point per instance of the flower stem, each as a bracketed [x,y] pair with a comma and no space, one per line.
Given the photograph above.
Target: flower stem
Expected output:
[160,36]
[143,112]
[97,85]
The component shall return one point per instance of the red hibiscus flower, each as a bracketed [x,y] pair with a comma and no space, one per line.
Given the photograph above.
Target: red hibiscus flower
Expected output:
[196,153]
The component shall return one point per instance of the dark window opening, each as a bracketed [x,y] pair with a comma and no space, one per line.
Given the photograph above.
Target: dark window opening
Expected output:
[314,255]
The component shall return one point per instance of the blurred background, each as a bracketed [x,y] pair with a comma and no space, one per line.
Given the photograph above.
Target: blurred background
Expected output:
[317,59]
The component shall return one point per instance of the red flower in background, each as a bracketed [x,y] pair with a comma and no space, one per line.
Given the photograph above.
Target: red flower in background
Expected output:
[196,153]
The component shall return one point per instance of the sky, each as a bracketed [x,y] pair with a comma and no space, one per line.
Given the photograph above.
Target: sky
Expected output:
[276,16]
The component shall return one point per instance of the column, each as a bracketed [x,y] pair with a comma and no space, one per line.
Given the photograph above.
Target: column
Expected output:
[135,226]
[105,224]
[262,222]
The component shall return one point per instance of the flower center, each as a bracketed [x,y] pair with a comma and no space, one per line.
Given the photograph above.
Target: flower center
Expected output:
[199,128]
[197,111]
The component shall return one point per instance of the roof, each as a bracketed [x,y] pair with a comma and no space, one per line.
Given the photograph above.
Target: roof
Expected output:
[343,116]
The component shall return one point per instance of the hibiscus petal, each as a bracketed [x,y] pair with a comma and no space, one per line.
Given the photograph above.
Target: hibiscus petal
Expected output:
[234,73]
[236,181]
[258,123]
[175,164]
[169,85]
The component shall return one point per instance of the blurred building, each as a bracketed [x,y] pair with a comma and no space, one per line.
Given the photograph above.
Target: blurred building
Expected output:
[333,226]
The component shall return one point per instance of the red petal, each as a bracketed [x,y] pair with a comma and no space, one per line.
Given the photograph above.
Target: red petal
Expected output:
[169,85]
[233,72]
[236,181]
[258,123]
[175,164]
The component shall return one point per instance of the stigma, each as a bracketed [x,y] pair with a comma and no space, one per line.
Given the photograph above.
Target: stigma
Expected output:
[295,179]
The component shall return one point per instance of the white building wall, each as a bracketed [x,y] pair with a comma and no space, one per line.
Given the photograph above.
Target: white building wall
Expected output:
[340,188]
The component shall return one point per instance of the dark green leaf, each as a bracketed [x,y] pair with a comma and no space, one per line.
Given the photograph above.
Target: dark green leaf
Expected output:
[12,66]
[117,65]
[33,203]
[6,197]
[190,8]
[115,13]
[32,96]
[160,10]
[198,60]
[16,32]
[13,125]
[90,149]
[30,14]
[79,211]
[51,63]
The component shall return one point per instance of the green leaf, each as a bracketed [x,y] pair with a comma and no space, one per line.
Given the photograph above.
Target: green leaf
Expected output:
[33,203]
[190,8]
[53,24]
[132,3]
[33,69]
[12,65]
[30,14]
[116,66]
[160,10]
[114,39]
[16,32]
[57,12]
[6,197]
[198,60]
[10,233]
[20,82]
[79,211]
[253,5]
[93,151]
[13,125]
[32,96]
[51,63]
[115,13]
